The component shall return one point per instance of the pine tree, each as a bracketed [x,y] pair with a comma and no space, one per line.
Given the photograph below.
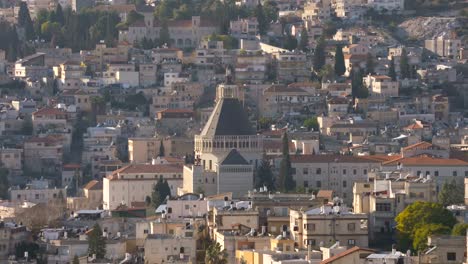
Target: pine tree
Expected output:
[25,21]
[166,190]
[162,151]
[369,64]
[391,70]
[304,43]
[405,69]
[318,60]
[264,175]
[96,242]
[340,67]
[286,182]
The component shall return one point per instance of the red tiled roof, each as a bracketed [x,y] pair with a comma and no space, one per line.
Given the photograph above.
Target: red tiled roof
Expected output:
[419,145]
[345,253]
[425,160]
[93,185]
[72,166]
[146,168]
[332,158]
[49,111]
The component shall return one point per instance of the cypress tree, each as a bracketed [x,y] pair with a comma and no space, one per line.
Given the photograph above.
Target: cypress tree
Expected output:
[162,151]
[340,67]
[391,70]
[369,64]
[164,37]
[59,16]
[261,18]
[286,181]
[318,60]
[405,69]
[157,193]
[304,43]
[25,21]
[264,174]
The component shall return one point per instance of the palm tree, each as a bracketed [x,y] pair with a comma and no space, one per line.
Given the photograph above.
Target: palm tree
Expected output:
[214,254]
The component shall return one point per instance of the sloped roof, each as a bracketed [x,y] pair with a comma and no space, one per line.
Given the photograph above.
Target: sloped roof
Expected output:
[234,158]
[345,253]
[425,160]
[228,119]
[93,185]
[331,158]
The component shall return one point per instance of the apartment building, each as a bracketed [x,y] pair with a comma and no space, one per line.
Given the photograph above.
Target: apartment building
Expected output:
[12,234]
[318,10]
[43,154]
[38,192]
[291,67]
[50,118]
[91,198]
[133,183]
[381,86]
[11,159]
[444,46]
[161,248]
[69,74]
[32,67]
[328,224]
[332,172]
[244,28]
[251,69]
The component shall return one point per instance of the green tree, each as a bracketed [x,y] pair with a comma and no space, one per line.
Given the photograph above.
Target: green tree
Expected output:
[264,175]
[311,123]
[25,21]
[166,190]
[27,128]
[451,193]
[405,69]
[304,42]
[340,67]
[164,37]
[290,42]
[418,215]
[423,232]
[4,183]
[133,16]
[162,151]
[460,229]
[370,65]
[261,18]
[357,85]
[214,254]
[59,16]
[156,193]
[391,70]
[264,122]
[96,242]
[286,182]
[318,60]
[76,260]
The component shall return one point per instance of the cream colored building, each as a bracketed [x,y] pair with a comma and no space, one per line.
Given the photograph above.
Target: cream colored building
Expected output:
[444,249]
[43,154]
[11,159]
[318,10]
[329,224]
[381,85]
[133,183]
[91,199]
[444,46]
[162,248]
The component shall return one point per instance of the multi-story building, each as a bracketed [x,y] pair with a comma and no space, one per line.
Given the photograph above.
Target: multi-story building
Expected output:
[69,74]
[12,235]
[318,10]
[349,9]
[50,118]
[332,172]
[133,183]
[148,74]
[38,192]
[387,5]
[227,149]
[444,46]
[291,67]
[32,67]
[279,99]
[43,154]
[244,28]
[183,33]
[91,199]
[328,224]
[381,85]
[251,68]
[383,199]
[11,159]
[161,248]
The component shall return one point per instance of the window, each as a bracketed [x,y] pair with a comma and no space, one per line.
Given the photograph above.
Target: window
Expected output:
[306,184]
[351,242]
[365,171]
[145,231]
[305,171]
[345,184]
[319,184]
[436,173]
[466,173]
[186,207]
[344,171]
[451,256]
[310,242]
[418,173]
[351,226]
[383,207]
[309,227]
[454,173]
[169,210]
[354,172]
[318,171]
